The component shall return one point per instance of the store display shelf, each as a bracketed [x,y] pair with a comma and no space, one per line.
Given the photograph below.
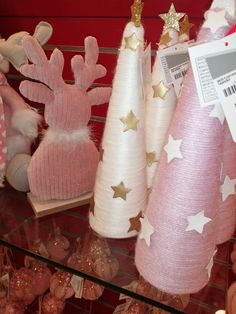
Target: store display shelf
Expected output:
[19,229]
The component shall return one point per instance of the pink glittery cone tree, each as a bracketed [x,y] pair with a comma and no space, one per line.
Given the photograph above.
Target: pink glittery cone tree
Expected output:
[65,163]
[177,240]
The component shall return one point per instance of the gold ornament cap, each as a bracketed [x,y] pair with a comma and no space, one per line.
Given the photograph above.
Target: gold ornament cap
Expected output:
[136,10]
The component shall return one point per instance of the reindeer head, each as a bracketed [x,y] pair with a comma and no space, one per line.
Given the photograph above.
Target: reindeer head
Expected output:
[67,107]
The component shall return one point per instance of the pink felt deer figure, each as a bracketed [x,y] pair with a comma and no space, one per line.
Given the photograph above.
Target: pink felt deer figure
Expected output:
[65,163]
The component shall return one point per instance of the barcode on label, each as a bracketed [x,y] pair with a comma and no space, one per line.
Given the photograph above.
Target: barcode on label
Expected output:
[230,90]
[180,74]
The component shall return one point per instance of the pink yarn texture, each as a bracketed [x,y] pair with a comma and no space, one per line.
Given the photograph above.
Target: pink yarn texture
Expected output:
[3,144]
[65,162]
[178,261]
[227,208]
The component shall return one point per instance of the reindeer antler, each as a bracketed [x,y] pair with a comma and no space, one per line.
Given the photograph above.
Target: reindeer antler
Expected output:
[46,71]
[87,71]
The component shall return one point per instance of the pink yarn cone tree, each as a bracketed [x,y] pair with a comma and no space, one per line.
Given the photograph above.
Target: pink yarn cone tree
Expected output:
[177,241]
[65,162]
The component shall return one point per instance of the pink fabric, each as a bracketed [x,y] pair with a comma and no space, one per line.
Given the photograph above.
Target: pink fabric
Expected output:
[65,163]
[3,144]
[176,261]
[227,208]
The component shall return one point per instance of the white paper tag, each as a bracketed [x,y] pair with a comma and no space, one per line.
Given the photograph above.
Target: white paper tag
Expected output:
[77,284]
[122,307]
[174,62]
[43,251]
[5,280]
[131,287]
[199,56]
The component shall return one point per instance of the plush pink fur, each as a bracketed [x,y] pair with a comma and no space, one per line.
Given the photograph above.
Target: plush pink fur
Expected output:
[64,164]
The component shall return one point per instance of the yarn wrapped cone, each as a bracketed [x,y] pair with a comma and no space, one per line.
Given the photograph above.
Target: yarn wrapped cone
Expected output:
[177,241]
[159,110]
[120,188]
[227,214]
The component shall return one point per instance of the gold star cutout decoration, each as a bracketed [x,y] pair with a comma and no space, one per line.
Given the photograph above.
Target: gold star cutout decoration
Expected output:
[120,191]
[165,39]
[160,90]
[185,26]
[91,205]
[135,223]
[130,122]
[171,19]
[132,42]
[151,158]
[136,10]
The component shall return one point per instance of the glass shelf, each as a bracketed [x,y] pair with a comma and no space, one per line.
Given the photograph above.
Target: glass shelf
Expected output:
[19,228]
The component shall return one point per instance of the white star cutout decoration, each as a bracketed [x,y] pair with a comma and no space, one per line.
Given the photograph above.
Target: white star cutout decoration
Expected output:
[172,149]
[197,222]
[215,20]
[146,230]
[218,113]
[227,188]
[211,263]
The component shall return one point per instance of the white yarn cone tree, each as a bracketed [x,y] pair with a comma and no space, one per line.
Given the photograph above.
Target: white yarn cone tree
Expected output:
[162,99]
[120,189]
[177,241]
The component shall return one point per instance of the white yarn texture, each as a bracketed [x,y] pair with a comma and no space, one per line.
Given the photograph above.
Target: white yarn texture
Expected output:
[124,158]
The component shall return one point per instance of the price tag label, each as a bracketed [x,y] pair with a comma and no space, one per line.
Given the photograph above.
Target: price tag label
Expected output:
[77,284]
[174,62]
[122,307]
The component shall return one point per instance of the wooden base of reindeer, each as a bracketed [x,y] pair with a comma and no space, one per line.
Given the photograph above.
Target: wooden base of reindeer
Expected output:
[43,208]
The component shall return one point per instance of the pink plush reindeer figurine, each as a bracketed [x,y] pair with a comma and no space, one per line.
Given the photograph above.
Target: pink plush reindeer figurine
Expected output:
[65,163]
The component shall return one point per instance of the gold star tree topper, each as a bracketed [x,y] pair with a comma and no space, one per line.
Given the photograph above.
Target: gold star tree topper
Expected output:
[136,10]
[120,190]
[171,19]
[130,122]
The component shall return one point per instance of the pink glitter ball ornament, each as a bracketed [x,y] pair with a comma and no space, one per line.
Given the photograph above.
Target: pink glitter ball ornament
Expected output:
[42,275]
[91,290]
[60,285]
[58,246]
[21,286]
[14,307]
[106,267]
[178,235]
[52,305]
[136,307]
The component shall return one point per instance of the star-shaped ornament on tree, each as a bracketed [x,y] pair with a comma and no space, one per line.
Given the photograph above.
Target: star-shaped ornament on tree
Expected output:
[227,188]
[135,223]
[146,230]
[130,122]
[171,19]
[218,113]
[160,90]
[132,42]
[185,26]
[121,191]
[173,149]
[151,158]
[215,20]
[197,222]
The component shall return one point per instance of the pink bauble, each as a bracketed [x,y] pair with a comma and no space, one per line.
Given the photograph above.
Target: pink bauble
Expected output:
[52,305]
[14,307]
[91,290]
[60,285]
[137,307]
[106,267]
[42,275]
[98,247]
[22,285]
[176,301]
[58,246]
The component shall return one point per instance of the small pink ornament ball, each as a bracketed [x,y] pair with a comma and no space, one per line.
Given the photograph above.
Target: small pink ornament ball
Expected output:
[58,246]
[22,285]
[52,305]
[60,285]
[42,275]
[14,307]
[91,290]
[106,267]
[137,307]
